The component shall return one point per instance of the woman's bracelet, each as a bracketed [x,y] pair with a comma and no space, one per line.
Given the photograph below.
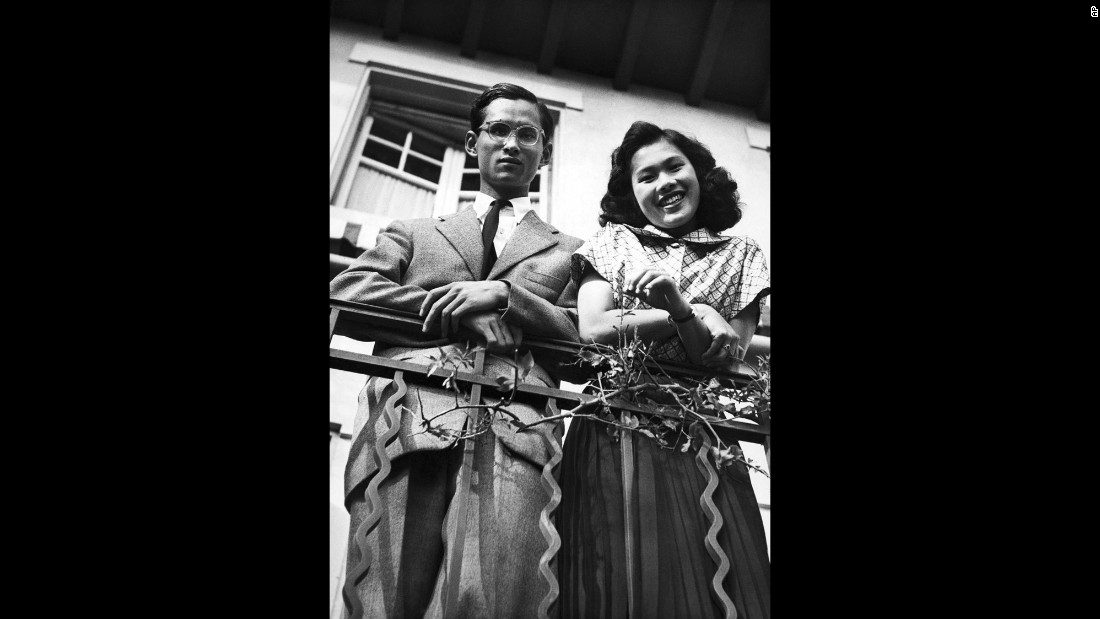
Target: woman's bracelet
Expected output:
[674,321]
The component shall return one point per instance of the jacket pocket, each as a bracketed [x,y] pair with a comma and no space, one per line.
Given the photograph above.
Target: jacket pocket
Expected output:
[545,279]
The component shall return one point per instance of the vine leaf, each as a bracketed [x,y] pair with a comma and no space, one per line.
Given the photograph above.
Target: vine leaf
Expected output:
[723,457]
[591,356]
[505,383]
[628,420]
[526,362]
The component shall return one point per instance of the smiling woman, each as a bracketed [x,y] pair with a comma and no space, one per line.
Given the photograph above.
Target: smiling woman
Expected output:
[696,293]
[719,200]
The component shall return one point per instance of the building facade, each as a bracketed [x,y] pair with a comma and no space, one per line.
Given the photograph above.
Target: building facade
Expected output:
[398,113]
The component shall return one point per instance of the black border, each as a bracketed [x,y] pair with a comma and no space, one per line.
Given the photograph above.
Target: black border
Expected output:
[927,268]
[227,303]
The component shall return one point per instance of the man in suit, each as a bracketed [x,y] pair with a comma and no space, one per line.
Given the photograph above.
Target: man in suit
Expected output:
[489,274]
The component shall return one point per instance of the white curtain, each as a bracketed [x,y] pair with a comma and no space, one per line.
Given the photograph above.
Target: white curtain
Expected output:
[379,193]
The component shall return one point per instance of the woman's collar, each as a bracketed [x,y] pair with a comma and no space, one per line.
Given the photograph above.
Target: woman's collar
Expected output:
[701,235]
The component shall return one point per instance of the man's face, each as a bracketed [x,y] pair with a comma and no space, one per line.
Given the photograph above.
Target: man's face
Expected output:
[508,167]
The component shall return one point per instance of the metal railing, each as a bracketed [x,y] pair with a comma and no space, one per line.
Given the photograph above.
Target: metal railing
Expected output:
[366,322]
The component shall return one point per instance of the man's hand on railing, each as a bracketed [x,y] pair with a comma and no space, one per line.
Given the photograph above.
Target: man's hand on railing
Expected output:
[447,304]
[500,337]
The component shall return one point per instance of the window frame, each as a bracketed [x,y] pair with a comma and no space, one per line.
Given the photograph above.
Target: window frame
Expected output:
[348,154]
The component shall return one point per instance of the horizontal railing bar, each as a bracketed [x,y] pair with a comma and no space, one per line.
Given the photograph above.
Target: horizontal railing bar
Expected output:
[373,365]
[409,322]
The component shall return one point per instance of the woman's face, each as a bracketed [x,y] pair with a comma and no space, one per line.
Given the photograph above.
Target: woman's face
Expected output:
[666,187]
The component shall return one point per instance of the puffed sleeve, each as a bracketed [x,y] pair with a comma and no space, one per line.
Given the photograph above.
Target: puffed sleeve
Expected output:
[751,281]
[612,252]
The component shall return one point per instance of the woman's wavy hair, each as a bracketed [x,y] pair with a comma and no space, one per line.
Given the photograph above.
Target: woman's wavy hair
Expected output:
[719,202]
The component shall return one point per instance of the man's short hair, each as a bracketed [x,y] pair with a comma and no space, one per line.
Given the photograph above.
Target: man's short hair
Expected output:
[505,90]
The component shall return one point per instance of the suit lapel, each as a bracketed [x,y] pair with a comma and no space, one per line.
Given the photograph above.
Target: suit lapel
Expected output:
[463,231]
[531,236]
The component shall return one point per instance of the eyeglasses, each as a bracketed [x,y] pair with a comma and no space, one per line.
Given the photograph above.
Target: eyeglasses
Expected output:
[528,135]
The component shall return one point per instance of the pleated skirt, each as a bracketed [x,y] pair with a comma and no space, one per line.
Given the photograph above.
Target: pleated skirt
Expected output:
[672,569]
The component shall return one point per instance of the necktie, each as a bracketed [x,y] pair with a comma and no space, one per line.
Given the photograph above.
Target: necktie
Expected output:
[488,232]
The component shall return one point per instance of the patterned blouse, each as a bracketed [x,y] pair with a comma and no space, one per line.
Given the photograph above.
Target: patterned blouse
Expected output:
[724,272]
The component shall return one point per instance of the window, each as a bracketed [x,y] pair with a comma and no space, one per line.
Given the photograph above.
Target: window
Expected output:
[395,170]
[403,151]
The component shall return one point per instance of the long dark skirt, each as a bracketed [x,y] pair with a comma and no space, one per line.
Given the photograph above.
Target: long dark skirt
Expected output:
[673,570]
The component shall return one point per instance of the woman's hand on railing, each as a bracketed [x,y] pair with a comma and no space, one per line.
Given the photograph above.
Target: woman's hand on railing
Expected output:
[725,343]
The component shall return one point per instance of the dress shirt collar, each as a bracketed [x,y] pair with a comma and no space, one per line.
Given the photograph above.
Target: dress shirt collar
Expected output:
[520,206]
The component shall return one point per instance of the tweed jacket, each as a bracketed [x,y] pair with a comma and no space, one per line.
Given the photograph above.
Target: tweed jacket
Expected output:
[412,257]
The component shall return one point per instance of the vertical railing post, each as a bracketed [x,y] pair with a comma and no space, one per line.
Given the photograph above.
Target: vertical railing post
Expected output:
[626,443]
[453,575]
[766,417]
[333,316]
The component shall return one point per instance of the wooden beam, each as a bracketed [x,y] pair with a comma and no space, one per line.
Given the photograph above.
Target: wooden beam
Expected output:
[394,9]
[472,34]
[639,13]
[716,27]
[555,24]
[764,108]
